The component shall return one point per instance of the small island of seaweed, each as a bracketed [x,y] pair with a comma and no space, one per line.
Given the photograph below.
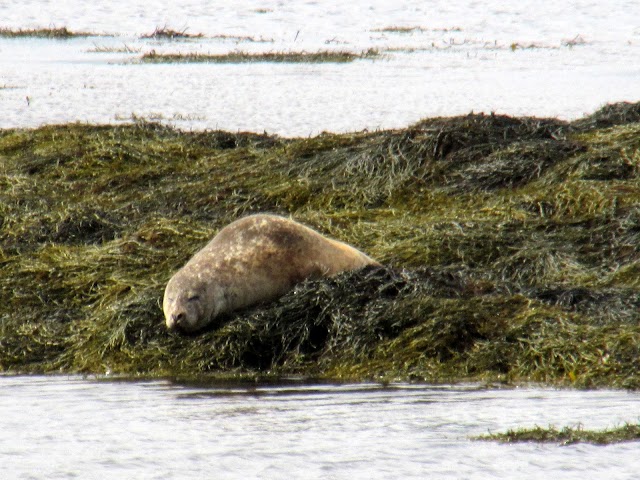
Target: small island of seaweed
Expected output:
[510,249]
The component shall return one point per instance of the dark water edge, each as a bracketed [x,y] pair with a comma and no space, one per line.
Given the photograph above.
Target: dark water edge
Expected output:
[510,248]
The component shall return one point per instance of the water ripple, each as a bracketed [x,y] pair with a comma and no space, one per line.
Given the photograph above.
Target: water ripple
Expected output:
[68,427]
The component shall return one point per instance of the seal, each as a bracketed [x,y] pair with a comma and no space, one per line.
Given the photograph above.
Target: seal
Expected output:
[254,259]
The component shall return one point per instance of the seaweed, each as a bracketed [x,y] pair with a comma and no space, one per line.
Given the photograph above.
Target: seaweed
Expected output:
[567,435]
[327,56]
[510,249]
[611,115]
[58,33]
[167,33]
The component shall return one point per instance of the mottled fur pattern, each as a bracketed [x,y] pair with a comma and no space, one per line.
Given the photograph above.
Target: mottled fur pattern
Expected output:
[252,260]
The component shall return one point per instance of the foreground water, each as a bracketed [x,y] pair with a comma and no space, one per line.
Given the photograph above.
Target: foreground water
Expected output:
[67,427]
[543,58]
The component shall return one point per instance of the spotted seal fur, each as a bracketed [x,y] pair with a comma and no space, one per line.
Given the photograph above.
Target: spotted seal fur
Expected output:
[254,259]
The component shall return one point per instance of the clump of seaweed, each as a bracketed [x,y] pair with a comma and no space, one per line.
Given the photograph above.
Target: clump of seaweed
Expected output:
[399,29]
[121,49]
[167,33]
[510,248]
[326,56]
[414,29]
[242,38]
[61,33]
[567,435]
[621,113]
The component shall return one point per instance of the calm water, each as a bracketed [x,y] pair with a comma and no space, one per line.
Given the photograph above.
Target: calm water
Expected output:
[575,57]
[67,427]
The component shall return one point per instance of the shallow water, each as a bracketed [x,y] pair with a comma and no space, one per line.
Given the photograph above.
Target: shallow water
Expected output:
[67,427]
[578,56]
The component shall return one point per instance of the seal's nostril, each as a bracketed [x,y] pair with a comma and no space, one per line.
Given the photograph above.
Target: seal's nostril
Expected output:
[178,318]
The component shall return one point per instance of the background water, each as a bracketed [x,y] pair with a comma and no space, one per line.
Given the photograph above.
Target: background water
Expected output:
[58,427]
[577,56]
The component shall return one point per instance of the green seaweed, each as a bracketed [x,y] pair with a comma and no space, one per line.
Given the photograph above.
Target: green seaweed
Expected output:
[510,249]
[327,56]
[167,33]
[59,33]
[567,435]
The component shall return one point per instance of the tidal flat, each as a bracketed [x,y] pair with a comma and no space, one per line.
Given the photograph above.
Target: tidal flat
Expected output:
[510,247]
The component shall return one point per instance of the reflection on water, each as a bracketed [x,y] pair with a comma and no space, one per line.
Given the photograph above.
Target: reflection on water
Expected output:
[60,427]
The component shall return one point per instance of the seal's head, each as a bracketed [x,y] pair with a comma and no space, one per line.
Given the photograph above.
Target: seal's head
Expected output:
[186,304]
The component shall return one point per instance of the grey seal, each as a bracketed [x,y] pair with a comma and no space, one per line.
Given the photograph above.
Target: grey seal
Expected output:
[254,259]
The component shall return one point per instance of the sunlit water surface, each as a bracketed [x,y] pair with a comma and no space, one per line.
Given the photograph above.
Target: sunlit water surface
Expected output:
[443,57]
[68,427]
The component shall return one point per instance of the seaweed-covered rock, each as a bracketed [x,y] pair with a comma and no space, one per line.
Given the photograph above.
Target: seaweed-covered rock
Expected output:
[510,248]
[621,113]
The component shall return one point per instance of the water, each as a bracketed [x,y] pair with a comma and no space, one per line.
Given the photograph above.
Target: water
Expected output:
[584,54]
[67,427]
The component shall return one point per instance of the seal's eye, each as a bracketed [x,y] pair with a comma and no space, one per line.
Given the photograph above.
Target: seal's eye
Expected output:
[193,298]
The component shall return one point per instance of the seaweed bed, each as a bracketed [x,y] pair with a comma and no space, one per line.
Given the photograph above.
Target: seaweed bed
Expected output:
[246,57]
[61,33]
[510,248]
[567,435]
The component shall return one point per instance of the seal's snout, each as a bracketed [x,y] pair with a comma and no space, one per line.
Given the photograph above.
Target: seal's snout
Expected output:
[177,319]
